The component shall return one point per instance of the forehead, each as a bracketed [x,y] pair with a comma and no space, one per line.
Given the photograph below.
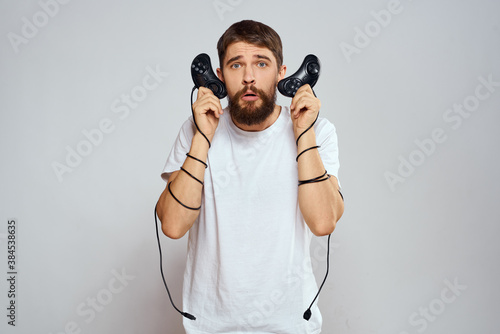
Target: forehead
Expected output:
[247,50]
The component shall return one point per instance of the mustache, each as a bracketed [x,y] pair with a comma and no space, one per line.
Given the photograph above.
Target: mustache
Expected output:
[251,88]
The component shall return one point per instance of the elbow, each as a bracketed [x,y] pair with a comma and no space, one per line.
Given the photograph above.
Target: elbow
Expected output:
[321,229]
[323,226]
[171,232]
[167,227]
[323,222]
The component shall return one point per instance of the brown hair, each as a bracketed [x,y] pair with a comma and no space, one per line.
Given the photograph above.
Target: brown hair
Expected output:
[251,32]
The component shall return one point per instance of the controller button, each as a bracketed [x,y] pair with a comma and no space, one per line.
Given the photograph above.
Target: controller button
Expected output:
[214,88]
[313,68]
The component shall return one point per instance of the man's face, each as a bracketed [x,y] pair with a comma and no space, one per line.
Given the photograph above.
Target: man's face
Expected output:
[251,75]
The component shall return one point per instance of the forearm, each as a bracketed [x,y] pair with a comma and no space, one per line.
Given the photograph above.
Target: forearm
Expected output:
[177,219]
[320,202]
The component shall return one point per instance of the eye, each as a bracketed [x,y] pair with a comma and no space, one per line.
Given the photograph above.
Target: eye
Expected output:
[235,65]
[262,64]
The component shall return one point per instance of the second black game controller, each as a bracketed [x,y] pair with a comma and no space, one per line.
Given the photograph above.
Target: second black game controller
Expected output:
[308,73]
[203,75]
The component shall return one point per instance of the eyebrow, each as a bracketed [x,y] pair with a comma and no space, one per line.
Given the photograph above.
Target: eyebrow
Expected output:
[256,56]
[264,57]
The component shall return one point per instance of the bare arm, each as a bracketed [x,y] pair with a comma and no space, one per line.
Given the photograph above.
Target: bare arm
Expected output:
[176,218]
[320,203]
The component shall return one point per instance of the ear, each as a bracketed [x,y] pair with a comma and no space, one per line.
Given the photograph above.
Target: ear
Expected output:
[220,75]
[282,72]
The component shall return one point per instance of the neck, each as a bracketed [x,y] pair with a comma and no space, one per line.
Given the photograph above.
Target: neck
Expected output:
[263,125]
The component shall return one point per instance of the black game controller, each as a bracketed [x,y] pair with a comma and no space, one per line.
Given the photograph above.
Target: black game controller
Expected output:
[203,75]
[308,73]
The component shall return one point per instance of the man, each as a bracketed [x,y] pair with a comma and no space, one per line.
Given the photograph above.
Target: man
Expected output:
[250,224]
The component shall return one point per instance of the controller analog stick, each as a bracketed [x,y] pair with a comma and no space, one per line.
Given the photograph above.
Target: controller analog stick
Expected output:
[214,88]
[313,68]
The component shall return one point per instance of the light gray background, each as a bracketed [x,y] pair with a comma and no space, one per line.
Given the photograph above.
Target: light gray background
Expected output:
[393,250]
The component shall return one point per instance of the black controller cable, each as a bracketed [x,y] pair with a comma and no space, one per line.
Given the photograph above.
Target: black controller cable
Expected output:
[307,313]
[194,120]
[324,177]
[185,314]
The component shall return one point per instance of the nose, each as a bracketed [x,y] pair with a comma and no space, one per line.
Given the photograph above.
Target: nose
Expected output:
[248,76]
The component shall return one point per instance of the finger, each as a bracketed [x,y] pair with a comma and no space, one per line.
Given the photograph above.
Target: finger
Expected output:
[302,91]
[306,100]
[300,108]
[299,100]
[207,98]
[213,106]
[204,91]
[306,104]
[217,105]
[305,88]
[209,107]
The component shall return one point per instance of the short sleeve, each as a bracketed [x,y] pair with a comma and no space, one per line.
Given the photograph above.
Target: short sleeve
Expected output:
[179,149]
[326,138]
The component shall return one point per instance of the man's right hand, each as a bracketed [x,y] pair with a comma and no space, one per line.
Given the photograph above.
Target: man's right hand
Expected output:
[207,110]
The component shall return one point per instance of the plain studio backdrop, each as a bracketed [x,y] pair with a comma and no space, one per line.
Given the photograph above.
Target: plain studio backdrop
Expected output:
[93,94]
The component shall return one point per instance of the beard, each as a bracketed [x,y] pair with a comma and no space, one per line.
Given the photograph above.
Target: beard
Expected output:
[247,112]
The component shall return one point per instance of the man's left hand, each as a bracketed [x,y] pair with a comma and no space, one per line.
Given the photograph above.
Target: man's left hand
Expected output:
[304,109]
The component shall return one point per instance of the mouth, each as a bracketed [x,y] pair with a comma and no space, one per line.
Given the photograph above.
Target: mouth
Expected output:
[249,96]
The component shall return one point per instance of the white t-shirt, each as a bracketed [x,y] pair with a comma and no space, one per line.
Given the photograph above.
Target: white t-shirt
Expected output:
[248,264]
